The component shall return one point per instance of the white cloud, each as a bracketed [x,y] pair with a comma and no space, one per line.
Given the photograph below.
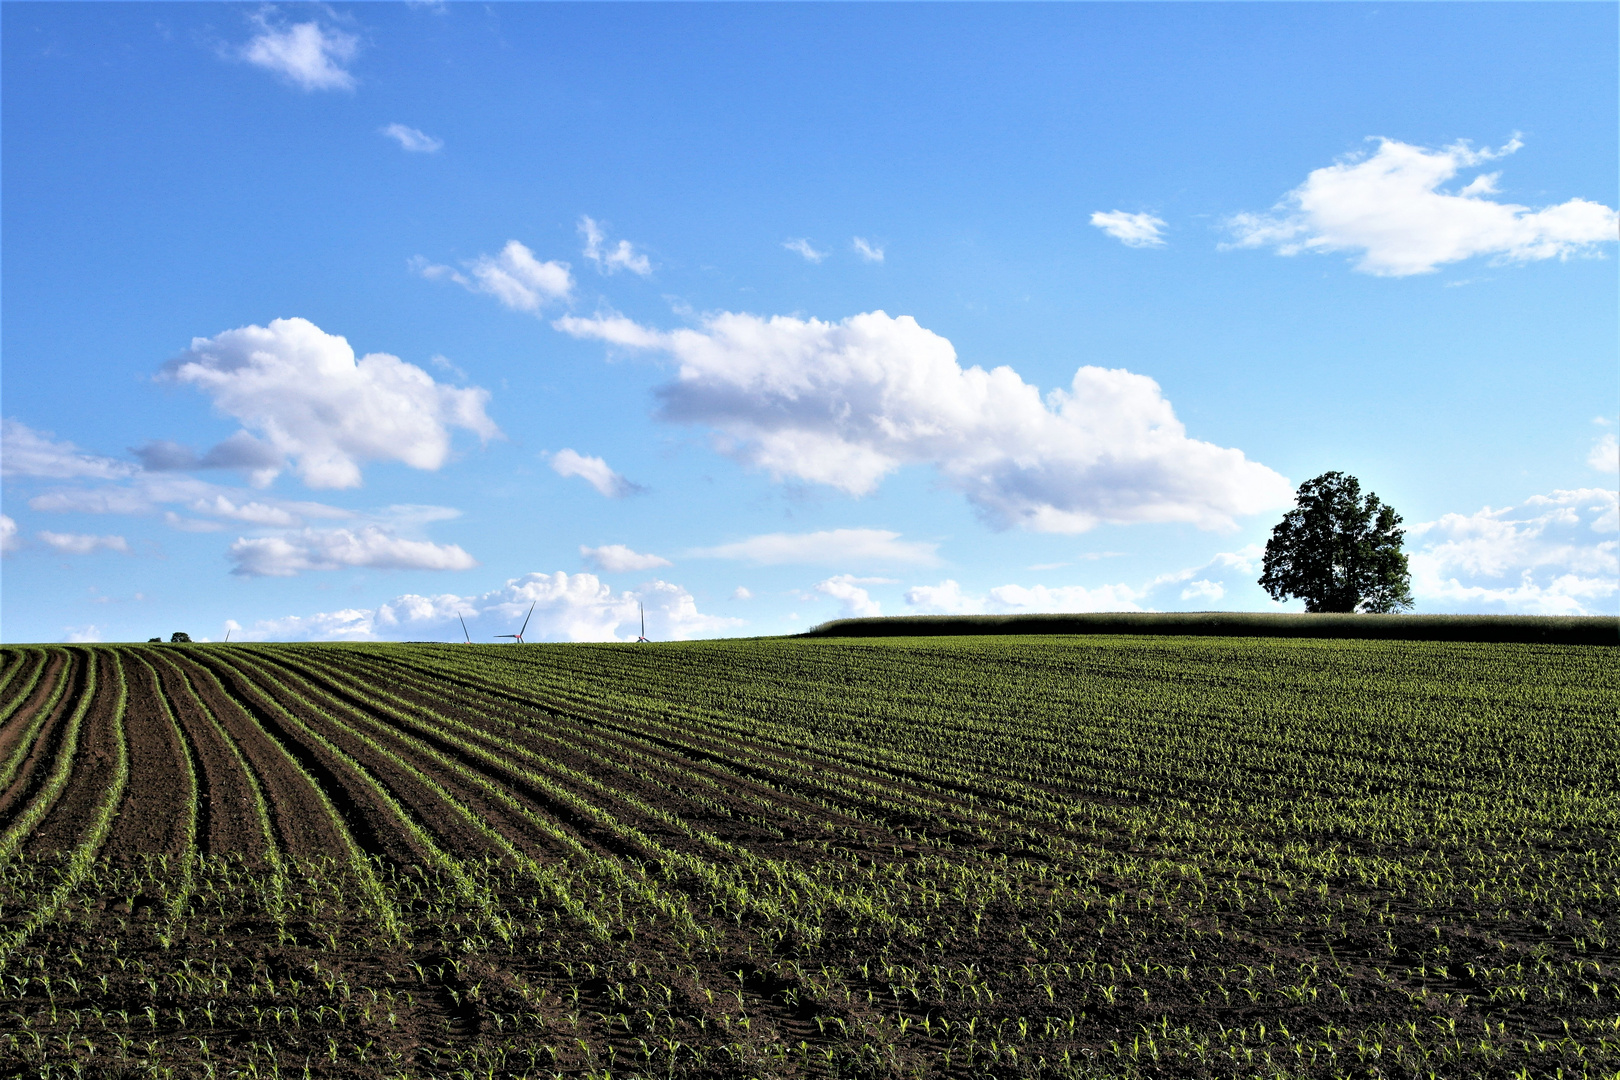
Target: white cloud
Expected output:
[1553,555]
[26,452]
[348,624]
[88,636]
[1063,599]
[9,541]
[82,543]
[868,251]
[854,601]
[1132,230]
[594,471]
[410,609]
[1391,207]
[334,549]
[309,398]
[1204,589]
[307,55]
[619,559]
[413,140]
[1605,455]
[846,403]
[830,547]
[514,277]
[741,593]
[946,598]
[608,260]
[802,246]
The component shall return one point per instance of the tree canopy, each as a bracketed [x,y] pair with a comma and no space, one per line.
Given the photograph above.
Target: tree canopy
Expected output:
[1338,551]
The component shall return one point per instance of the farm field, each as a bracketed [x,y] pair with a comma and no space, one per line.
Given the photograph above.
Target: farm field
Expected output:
[955,857]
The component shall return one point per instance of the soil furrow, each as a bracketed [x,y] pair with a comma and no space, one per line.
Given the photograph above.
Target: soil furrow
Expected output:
[444,823]
[228,820]
[159,815]
[29,762]
[368,820]
[99,747]
[297,815]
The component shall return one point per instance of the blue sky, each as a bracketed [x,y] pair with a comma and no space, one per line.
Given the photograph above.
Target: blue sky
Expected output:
[346,321]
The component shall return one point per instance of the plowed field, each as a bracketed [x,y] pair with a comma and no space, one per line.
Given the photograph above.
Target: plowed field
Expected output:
[1067,857]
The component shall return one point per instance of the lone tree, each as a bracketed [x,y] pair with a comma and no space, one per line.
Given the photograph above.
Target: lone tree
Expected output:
[1338,551]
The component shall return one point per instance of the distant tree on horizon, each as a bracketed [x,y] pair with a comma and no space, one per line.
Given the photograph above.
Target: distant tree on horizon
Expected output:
[1337,551]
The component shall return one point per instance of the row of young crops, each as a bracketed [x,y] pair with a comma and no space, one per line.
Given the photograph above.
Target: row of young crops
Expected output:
[908,857]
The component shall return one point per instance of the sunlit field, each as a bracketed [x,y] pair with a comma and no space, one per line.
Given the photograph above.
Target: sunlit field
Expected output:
[966,856]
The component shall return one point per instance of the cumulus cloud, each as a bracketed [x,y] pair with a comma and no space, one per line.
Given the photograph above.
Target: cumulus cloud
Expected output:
[9,540]
[514,277]
[567,607]
[846,403]
[946,598]
[413,140]
[741,593]
[307,55]
[854,601]
[313,402]
[610,260]
[830,547]
[346,624]
[83,543]
[411,609]
[1553,555]
[1204,589]
[619,559]
[868,251]
[26,452]
[334,549]
[1132,230]
[89,635]
[1605,454]
[1393,208]
[595,472]
[803,247]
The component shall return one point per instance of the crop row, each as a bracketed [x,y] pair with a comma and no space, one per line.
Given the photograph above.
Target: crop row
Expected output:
[954,857]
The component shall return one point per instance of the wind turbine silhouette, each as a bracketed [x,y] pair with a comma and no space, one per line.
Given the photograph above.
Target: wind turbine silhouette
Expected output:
[464,629]
[525,626]
[643,636]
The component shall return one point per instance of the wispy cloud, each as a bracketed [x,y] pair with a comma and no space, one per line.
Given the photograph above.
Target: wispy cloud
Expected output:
[412,139]
[611,259]
[803,247]
[595,472]
[514,277]
[308,55]
[82,543]
[836,547]
[868,251]
[1132,230]
[619,559]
